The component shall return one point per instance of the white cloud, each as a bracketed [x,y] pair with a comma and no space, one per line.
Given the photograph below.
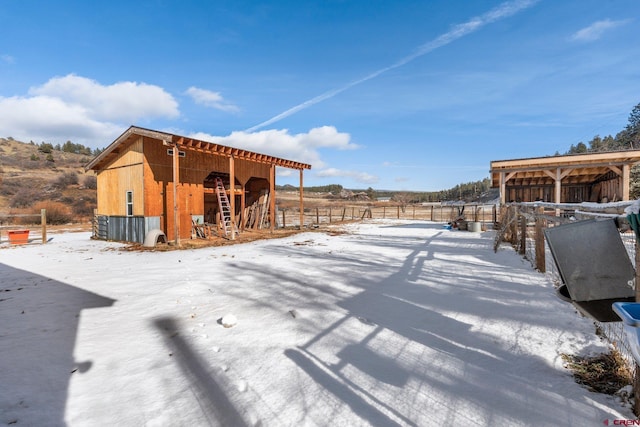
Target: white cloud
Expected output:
[44,118]
[357,176]
[210,99]
[301,147]
[82,110]
[8,59]
[125,101]
[596,30]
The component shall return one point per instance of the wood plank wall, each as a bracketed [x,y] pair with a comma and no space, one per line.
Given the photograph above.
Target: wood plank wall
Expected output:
[124,174]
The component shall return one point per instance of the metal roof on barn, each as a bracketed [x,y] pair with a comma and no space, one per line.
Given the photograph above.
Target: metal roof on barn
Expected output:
[186,143]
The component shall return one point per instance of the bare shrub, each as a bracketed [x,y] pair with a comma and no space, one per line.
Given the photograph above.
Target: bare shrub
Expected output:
[90,182]
[83,208]
[10,187]
[57,213]
[66,179]
[24,198]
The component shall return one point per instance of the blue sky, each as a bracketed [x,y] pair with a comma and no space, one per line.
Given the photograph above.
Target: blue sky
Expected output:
[398,95]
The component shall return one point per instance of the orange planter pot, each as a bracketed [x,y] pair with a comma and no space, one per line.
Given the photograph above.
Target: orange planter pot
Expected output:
[18,237]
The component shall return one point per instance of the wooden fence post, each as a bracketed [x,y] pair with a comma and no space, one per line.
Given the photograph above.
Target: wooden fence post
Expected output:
[512,213]
[284,219]
[317,216]
[523,235]
[541,263]
[398,212]
[329,214]
[43,221]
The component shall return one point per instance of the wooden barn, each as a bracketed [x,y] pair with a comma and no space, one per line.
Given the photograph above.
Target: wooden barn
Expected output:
[576,178]
[150,181]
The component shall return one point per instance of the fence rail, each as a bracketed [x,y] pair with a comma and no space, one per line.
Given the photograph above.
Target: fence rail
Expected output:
[7,224]
[335,214]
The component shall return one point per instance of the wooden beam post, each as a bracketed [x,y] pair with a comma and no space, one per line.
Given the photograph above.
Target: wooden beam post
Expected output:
[176,178]
[243,206]
[301,199]
[272,199]
[232,195]
[625,185]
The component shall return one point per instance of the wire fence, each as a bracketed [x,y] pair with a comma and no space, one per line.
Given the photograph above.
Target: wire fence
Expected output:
[521,223]
[322,215]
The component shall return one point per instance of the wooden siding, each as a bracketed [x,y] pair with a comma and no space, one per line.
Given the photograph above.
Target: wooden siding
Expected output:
[194,167]
[124,174]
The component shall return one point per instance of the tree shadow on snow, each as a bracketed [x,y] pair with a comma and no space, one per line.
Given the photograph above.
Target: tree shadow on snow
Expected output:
[422,300]
[38,325]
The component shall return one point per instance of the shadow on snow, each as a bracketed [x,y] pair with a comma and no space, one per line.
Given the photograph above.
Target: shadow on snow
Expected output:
[40,316]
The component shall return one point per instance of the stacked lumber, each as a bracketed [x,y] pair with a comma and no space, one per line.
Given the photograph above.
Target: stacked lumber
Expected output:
[257,213]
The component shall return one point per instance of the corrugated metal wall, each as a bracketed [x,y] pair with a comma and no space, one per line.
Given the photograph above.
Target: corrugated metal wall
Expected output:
[124,228]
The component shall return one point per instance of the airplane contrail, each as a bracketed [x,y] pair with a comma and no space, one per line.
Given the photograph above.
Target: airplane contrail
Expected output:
[504,10]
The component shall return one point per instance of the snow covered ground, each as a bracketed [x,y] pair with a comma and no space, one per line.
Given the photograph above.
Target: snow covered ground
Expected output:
[395,323]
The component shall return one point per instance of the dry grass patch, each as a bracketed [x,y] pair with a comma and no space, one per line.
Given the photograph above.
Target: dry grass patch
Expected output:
[604,373]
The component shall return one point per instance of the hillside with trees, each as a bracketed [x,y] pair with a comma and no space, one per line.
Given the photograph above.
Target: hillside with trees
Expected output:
[46,176]
[627,139]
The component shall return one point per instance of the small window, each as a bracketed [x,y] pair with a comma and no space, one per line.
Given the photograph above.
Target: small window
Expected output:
[129,203]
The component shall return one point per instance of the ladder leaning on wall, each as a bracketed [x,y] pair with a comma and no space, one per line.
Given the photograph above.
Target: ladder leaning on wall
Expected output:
[225,209]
